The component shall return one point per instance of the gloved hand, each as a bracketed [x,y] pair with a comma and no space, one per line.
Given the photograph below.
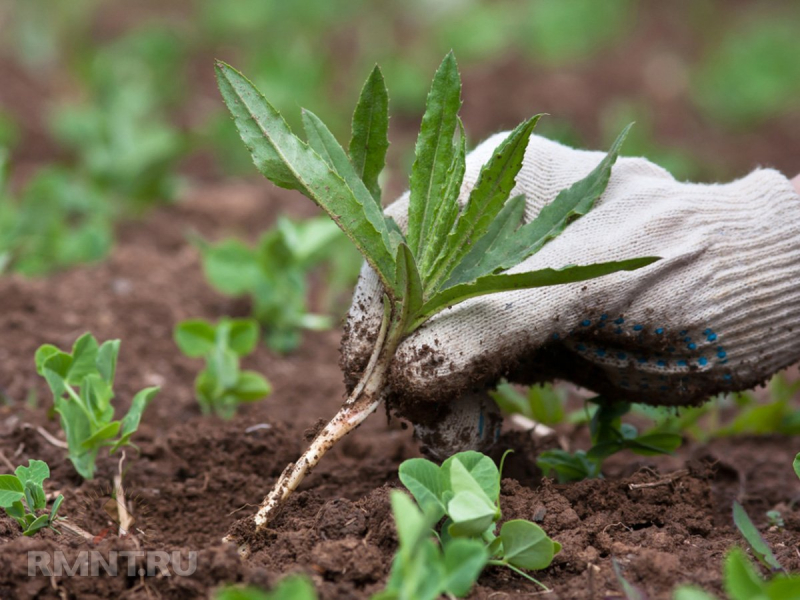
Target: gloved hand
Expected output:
[716,313]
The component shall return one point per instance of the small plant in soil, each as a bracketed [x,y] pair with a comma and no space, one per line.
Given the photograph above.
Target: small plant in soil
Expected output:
[222,385]
[609,436]
[82,383]
[465,492]
[22,497]
[292,588]
[447,254]
[274,274]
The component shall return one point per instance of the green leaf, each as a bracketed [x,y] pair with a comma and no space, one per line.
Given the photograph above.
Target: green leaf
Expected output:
[289,163]
[423,480]
[757,543]
[475,472]
[42,354]
[472,514]
[654,444]
[103,434]
[502,283]
[243,336]
[498,236]
[510,400]
[370,141]
[231,267]
[195,337]
[568,467]
[464,560]
[34,493]
[741,581]
[494,185]
[433,153]
[526,545]
[324,143]
[36,472]
[130,422]
[36,525]
[408,283]
[11,490]
[251,387]
[570,204]
[84,359]
[411,523]
[796,464]
[56,505]
[691,593]
[447,209]
[56,370]
[106,362]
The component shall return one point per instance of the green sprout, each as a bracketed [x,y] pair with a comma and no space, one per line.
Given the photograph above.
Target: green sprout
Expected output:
[82,383]
[22,496]
[446,255]
[275,274]
[465,491]
[295,587]
[609,436]
[222,385]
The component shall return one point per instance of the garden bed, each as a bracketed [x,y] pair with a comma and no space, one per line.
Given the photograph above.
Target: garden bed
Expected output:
[665,520]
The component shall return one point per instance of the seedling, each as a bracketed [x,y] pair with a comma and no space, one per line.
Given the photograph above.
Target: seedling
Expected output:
[222,385]
[743,582]
[275,274]
[609,436]
[292,588]
[82,383]
[22,496]
[466,491]
[543,403]
[758,544]
[446,255]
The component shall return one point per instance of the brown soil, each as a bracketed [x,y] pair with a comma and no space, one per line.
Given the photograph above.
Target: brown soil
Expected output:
[196,476]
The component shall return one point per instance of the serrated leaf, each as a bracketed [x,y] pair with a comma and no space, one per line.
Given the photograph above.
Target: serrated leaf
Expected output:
[526,545]
[195,337]
[251,387]
[495,182]
[370,141]
[130,422]
[243,336]
[36,472]
[499,234]
[447,209]
[758,545]
[570,204]
[433,153]
[288,162]
[464,560]
[11,490]
[423,480]
[408,284]
[324,143]
[491,284]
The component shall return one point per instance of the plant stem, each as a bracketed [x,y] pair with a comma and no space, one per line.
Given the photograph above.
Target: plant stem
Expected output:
[361,403]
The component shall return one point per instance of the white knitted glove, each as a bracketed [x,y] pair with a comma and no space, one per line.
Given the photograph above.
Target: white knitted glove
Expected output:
[716,313]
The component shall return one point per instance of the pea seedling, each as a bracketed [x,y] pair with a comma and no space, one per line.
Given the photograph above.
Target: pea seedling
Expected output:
[82,383]
[275,273]
[222,385]
[294,587]
[22,495]
[447,255]
[466,491]
[609,436]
